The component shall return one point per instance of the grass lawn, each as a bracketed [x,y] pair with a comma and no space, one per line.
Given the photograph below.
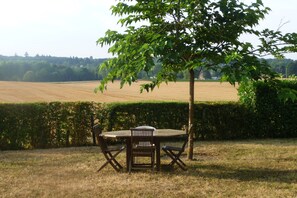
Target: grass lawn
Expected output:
[255,168]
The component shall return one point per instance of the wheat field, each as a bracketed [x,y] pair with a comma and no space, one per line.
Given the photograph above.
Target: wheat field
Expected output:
[23,92]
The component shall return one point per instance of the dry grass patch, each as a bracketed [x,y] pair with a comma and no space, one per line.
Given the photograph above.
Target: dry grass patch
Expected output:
[265,168]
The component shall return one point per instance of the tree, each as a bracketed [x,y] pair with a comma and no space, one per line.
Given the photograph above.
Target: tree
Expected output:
[29,76]
[188,35]
[206,74]
[292,68]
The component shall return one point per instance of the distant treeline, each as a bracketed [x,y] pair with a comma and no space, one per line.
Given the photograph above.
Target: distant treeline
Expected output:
[48,68]
[58,69]
[285,67]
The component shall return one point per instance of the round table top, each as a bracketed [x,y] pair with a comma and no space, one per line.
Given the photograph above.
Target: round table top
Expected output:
[157,133]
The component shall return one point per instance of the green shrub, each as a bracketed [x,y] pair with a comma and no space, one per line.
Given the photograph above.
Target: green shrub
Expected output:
[276,117]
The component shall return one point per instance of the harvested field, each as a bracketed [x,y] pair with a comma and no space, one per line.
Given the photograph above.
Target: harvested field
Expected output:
[20,92]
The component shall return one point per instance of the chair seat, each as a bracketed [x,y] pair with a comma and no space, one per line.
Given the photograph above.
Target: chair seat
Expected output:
[144,144]
[143,150]
[173,148]
[144,147]
[115,148]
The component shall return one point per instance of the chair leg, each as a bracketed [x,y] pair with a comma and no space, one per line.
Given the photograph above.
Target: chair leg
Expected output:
[153,161]
[114,160]
[178,161]
[131,163]
[111,163]
[111,160]
[102,166]
[181,165]
[175,159]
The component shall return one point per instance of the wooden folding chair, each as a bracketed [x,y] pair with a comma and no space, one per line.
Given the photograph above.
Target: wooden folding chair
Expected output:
[110,153]
[142,146]
[175,152]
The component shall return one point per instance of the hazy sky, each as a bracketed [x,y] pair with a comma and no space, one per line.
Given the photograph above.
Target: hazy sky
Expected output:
[71,27]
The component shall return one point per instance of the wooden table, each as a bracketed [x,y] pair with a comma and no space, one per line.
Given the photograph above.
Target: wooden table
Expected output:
[159,135]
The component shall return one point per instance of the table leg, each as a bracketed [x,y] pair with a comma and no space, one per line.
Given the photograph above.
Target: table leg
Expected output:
[158,158]
[128,152]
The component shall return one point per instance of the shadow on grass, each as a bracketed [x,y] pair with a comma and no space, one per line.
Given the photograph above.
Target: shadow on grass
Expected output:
[271,142]
[244,174]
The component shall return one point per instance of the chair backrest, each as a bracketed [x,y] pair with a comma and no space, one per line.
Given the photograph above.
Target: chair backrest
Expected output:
[145,127]
[100,139]
[142,136]
[185,138]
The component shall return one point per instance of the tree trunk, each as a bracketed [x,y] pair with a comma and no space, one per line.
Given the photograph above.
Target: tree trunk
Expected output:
[191,116]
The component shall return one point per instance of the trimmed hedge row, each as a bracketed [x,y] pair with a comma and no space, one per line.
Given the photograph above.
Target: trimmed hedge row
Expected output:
[43,125]
[56,124]
[213,121]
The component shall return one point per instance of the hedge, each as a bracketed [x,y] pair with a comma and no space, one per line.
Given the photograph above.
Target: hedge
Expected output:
[57,124]
[276,118]
[213,121]
[43,125]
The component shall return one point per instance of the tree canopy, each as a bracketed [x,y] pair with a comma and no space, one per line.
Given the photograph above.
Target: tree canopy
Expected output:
[188,34]
[183,35]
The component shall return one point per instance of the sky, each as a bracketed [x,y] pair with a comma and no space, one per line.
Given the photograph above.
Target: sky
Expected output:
[68,28]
